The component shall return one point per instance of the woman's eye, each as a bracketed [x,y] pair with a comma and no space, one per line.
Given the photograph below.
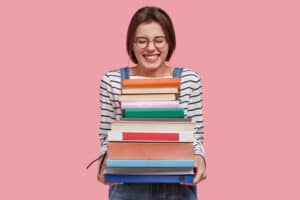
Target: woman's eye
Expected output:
[159,41]
[142,41]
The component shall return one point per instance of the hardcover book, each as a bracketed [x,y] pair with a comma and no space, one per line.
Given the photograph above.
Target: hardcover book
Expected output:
[148,97]
[150,151]
[112,178]
[149,104]
[151,136]
[150,171]
[153,82]
[154,112]
[150,90]
[149,163]
[152,126]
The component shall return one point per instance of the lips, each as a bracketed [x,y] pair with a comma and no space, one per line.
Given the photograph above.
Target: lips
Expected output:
[151,57]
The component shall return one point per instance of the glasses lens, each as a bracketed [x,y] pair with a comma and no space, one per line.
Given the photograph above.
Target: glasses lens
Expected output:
[142,43]
[160,42]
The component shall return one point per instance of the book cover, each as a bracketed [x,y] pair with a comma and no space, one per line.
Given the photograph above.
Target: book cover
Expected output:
[154,112]
[150,90]
[111,178]
[155,82]
[150,171]
[151,136]
[150,163]
[148,97]
[180,125]
[150,151]
[149,104]
[166,120]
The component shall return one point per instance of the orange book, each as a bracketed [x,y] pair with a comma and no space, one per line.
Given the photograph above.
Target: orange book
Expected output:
[153,82]
[150,151]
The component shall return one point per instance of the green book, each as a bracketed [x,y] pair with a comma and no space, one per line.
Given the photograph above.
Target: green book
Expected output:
[154,113]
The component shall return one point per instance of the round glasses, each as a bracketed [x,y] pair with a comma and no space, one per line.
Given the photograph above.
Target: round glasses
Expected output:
[143,42]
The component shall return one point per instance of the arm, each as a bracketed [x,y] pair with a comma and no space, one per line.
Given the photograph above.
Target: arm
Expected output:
[107,115]
[195,112]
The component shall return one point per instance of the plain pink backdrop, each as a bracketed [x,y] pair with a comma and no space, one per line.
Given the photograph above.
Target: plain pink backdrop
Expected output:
[53,54]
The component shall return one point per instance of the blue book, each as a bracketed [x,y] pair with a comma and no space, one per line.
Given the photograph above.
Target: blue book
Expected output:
[112,178]
[150,163]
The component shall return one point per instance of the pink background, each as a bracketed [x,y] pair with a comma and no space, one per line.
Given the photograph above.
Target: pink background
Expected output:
[53,53]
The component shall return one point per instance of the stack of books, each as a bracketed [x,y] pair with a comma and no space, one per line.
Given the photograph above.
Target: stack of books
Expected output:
[153,142]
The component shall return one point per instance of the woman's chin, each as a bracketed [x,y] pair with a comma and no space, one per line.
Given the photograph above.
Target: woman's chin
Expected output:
[151,66]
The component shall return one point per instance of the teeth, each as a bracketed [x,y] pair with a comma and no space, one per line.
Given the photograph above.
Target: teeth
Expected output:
[151,56]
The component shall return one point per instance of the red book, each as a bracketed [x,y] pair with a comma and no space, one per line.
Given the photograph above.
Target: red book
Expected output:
[150,136]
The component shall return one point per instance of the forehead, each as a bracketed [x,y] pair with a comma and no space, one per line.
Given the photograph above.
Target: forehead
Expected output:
[151,29]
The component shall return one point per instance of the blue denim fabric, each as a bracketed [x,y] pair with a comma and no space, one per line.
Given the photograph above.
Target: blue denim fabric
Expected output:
[160,191]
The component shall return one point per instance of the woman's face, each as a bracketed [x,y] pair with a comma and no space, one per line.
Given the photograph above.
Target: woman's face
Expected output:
[150,46]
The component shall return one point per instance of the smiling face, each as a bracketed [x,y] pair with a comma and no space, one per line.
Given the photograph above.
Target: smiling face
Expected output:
[150,46]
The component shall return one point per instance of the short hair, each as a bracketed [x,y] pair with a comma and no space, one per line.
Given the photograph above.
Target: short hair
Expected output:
[146,15]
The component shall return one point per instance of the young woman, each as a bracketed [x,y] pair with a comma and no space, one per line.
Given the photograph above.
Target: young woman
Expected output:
[150,43]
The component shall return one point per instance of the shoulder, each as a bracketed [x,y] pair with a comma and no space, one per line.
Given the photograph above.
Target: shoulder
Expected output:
[112,74]
[190,76]
[111,79]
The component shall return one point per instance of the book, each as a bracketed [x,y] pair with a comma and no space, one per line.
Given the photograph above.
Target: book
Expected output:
[151,136]
[149,104]
[148,97]
[157,119]
[150,170]
[149,163]
[150,90]
[150,151]
[153,82]
[152,126]
[112,178]
[154,112]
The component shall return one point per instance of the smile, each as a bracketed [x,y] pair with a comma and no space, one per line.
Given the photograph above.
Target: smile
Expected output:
[151,57]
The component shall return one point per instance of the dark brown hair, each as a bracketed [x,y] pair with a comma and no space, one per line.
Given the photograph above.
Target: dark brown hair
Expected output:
[147,15]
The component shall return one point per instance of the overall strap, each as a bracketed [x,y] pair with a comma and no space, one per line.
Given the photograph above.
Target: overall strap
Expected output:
[124,73]
[177,72]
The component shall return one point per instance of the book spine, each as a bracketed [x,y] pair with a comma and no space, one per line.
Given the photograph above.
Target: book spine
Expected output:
[147,90]
[150,136]
[149,104]
[150,151]
[150,163]
[154,112]
[163,82]
[150,171]
[110,178]
[148,97]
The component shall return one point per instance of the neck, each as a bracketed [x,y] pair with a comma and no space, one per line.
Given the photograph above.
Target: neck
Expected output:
[163,70]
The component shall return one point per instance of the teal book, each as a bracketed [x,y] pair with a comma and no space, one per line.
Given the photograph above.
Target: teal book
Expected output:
[154,113]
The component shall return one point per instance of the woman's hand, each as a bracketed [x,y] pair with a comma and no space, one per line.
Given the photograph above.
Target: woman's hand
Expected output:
[200,169]
[100,176]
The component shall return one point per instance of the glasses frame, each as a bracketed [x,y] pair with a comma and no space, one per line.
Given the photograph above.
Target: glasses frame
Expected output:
[148,42]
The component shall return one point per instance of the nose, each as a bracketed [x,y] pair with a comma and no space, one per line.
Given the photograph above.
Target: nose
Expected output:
[151,45]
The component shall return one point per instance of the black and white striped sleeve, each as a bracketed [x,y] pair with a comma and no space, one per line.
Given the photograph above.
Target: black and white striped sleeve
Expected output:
[195,112]
[106,110]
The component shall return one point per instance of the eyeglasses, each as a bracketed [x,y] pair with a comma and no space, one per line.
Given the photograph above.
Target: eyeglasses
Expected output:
[143,42]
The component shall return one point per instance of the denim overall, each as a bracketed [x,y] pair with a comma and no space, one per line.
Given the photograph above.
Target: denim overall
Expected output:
[152,191]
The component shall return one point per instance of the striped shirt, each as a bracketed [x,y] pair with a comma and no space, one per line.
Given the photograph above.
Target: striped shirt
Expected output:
[190,99]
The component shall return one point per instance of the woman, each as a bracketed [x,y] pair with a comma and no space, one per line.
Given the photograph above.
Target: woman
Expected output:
[150,44]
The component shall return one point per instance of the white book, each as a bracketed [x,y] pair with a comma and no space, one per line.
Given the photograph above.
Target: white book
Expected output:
[153,126]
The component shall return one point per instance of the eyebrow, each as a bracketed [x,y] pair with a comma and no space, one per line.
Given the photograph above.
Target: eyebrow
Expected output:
[144,37]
